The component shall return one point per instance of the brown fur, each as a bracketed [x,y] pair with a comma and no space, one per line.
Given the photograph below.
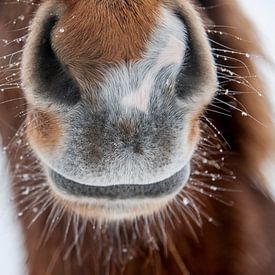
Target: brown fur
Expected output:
[195,130]
[101,39]
[242,240]
[253,138]
[43,129]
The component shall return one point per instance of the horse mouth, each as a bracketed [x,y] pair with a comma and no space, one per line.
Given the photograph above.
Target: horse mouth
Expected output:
[160,189]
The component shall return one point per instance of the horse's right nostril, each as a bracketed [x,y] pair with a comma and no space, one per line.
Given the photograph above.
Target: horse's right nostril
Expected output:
[54,80]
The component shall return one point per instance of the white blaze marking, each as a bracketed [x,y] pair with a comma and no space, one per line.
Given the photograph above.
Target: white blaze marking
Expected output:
[173,53]
[140,98]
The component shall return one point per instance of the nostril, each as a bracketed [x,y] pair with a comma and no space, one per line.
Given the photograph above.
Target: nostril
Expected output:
[54,80]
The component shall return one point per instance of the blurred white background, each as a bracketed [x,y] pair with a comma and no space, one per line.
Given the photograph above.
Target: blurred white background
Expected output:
[262,13]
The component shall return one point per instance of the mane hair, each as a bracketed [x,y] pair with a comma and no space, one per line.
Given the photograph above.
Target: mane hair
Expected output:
[221,223]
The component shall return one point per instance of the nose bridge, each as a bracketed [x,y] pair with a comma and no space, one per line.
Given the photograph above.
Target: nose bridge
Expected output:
[104,31]
[93,46]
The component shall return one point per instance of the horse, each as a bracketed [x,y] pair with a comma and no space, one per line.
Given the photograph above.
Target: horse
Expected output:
[135,133]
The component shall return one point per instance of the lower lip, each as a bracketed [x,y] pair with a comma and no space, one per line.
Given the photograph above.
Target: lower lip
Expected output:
[120,192]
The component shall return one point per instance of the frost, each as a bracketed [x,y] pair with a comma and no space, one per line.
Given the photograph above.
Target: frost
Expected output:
[185,201]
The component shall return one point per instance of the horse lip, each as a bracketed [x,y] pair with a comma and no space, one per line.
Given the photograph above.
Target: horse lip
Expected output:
[159,189]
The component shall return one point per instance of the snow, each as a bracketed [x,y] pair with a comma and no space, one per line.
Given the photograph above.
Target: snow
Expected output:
[261,13]
[11,244]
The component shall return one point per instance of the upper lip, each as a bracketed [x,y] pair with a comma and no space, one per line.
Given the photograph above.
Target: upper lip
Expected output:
[152,190]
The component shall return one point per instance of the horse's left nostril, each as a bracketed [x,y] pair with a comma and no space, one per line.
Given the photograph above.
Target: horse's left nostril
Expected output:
[53,78]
